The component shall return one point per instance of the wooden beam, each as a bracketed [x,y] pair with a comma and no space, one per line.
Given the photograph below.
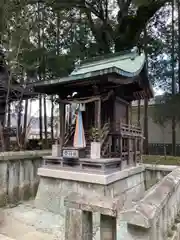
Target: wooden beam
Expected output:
[122,100]
[80,100]
[120,80]
[62,123]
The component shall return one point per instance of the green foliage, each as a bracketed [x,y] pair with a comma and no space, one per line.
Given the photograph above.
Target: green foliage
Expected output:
[142,2]
[95,134]
[79,29]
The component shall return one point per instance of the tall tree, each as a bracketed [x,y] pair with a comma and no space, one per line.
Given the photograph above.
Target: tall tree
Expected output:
[178,10]
[146,140]
[39,70]
[173,83]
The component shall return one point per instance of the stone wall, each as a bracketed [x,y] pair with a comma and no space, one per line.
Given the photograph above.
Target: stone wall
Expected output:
[154,173]
[18,175]
[175,235]
[157,134]
[153,218]
[55,184]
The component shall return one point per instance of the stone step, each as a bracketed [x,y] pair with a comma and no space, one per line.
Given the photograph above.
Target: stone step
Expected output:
[3,237]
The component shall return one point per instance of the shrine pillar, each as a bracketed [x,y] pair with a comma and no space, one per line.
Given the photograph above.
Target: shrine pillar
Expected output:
[98,113]
[97,110]
[62,122]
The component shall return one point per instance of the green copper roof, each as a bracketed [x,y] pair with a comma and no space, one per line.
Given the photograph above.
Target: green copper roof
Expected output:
[128,65]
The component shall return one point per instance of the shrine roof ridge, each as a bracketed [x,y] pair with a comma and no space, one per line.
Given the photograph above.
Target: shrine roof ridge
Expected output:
[129,61]
[107,56]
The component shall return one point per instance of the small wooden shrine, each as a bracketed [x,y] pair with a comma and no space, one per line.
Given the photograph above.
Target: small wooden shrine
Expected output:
[103,88]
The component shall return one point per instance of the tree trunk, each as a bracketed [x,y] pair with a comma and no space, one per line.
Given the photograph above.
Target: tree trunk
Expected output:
[19,126]
[45,123]
[40,118]
[39,74]
[173,85]
[25,123]
[58,32]
[8,125]
[9,116]
[178,2]
[52,118]
[146,135]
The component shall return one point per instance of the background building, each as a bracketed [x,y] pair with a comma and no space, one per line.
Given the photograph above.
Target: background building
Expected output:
[159,136]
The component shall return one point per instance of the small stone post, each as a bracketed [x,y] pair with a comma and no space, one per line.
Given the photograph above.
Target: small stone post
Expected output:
[135,150]
[108,227]
[78,225]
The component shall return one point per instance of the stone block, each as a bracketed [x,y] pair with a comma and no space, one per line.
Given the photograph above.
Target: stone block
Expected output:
[116,188]
[22,155]
[78,225]
[3,183]
[90,188]
[13,181]
[56,150]
[95,150]
[133,195]
[18,175]
[103,205]
[136,232]
[107,228]
[124,164]
[133,181]
[155,214]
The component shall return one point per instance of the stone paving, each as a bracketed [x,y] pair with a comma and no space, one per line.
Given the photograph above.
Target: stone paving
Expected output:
[27,222]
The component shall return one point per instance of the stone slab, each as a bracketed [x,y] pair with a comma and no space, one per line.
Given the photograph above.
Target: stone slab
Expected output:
[101,204]
[156,167]
[36,236]
[100,160]
[3,237]
[25,222]
[5,156]
[148,210]
[76,175]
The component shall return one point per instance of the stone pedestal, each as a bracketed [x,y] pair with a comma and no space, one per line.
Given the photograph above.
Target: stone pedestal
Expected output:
[56,150]
[95,150]
[57,183]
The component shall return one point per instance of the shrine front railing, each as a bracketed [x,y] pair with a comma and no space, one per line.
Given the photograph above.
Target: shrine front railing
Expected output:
[127,129]
[124,141]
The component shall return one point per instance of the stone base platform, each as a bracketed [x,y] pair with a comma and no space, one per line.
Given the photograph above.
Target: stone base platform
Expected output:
[57,183]
[98,165]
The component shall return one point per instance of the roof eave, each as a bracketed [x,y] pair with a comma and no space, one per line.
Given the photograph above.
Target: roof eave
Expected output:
[74,78]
